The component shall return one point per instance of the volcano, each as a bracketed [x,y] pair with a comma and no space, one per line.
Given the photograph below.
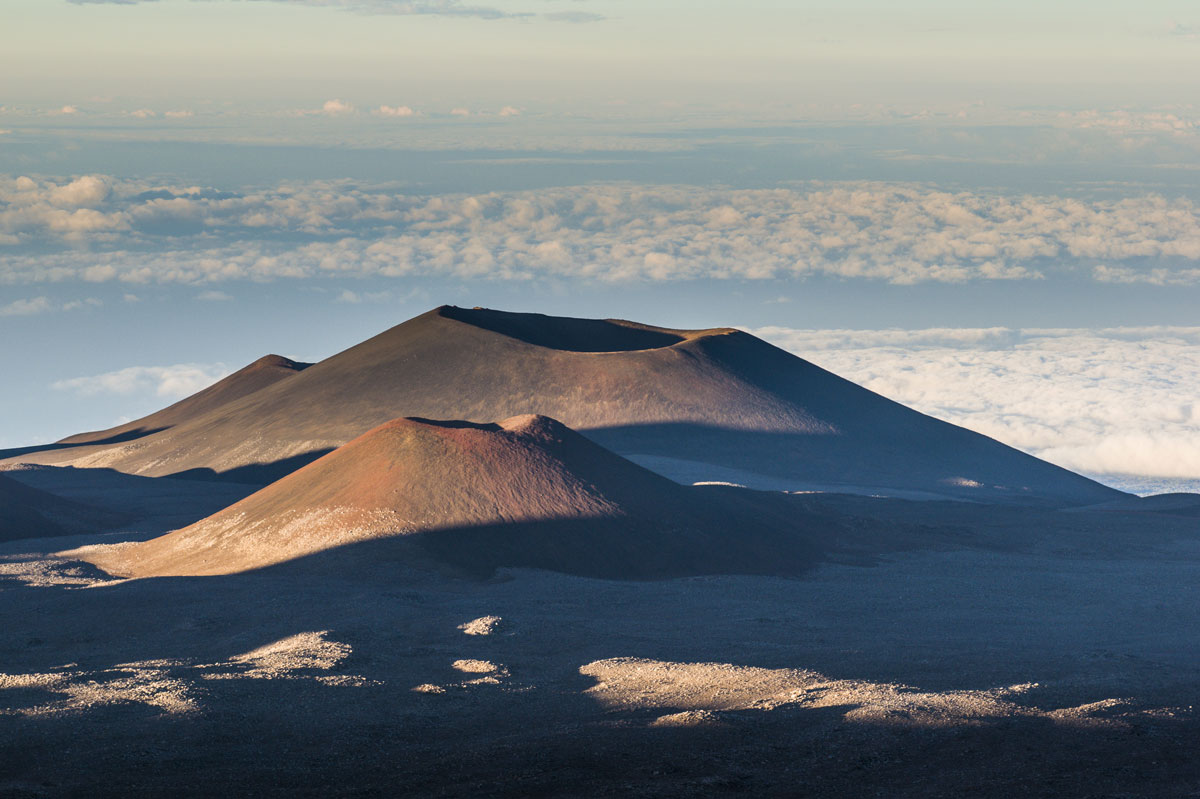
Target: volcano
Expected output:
[694,405]
[262,373]
[527,491]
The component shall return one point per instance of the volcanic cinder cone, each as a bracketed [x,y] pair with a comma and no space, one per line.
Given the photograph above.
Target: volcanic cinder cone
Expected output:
[264,372]
[525,492]
[680,400]
[27,512]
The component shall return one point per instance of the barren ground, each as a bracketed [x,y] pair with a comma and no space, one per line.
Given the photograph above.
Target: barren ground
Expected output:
[1049,654]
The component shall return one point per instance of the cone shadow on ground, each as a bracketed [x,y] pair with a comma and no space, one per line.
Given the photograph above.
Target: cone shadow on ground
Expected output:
[120,438]
[537,732]
[149,505]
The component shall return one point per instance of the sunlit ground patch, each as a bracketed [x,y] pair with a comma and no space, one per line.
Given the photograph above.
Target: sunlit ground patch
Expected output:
[697,691]
[40,571]
[172,687]
[69,691]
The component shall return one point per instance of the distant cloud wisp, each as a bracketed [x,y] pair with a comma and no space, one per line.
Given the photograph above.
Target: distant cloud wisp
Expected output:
[33,306]
[26,307]
[576,17]
[448,8]
[168,382]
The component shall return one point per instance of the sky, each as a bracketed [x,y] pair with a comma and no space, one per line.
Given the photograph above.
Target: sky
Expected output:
[989,211]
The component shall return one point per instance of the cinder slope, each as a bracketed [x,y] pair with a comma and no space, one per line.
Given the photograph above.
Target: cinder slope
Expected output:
[264,372]
[715,396]
[27,512]
[525,492]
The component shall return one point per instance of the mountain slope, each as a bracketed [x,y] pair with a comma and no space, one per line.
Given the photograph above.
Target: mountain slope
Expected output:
[258,375]
[684,397]
[525,492]
[27,512]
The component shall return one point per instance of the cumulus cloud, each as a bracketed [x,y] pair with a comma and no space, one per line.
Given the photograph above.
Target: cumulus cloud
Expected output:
[143,113]
[142,232]
[178,114]
[85,192]
[460,112]
[1118,401]
[395,111]
[509,111]
[69,210]
[168,382]
[337,107]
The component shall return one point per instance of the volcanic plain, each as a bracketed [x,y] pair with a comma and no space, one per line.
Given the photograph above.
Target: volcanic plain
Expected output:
[496,554]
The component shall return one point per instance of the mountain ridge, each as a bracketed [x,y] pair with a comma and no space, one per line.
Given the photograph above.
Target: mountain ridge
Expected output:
[716,395]
[527,491]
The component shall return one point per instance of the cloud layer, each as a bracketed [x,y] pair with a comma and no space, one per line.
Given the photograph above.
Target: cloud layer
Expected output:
[1113,401]
[97,228]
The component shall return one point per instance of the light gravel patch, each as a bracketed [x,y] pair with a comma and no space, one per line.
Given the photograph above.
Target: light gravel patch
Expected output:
[40,571]
[706,688]
[476,666]
[485,625]
[171,685]
[83,691]
[296,657]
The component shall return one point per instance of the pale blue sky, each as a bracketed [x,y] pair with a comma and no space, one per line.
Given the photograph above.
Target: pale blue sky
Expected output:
[270,51]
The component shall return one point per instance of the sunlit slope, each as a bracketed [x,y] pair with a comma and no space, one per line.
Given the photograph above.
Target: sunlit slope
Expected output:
[251,378]
[525,492]
[717,396]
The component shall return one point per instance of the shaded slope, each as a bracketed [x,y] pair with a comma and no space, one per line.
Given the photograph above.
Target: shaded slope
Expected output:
[716,396]
[258,375]
[27,512]
[1175,504]
[525,492]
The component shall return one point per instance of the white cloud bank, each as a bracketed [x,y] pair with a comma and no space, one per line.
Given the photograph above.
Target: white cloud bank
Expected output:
[167,382]
[1113,401]
[99,228]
